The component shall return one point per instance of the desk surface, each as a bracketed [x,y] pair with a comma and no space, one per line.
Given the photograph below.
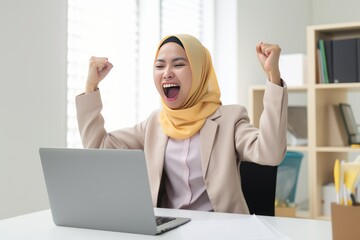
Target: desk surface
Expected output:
[39,225]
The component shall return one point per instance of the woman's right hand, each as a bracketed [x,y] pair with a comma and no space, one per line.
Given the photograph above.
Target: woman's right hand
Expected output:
[99,67]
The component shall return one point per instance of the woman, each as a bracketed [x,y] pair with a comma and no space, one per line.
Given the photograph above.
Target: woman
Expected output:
[193,145]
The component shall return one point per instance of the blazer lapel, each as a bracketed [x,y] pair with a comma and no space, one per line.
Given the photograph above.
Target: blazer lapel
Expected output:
[207,138]
[161,142]
[157,148]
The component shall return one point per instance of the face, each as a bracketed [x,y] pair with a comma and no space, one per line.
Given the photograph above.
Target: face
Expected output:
[172,75]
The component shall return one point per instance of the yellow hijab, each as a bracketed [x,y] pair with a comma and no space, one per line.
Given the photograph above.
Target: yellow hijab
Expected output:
[204,97]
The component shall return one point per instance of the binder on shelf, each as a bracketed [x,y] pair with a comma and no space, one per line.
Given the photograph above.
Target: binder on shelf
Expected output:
[319,67]
[345,60]
[339,60]
[323,61]
[329,59]
[358,59]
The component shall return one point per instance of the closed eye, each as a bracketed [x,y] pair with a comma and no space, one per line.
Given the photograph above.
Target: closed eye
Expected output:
[159,66]
[179,65]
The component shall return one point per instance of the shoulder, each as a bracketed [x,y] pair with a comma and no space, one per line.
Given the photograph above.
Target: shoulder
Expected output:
[155,114]
[152,120]
[232,113]
[232,110]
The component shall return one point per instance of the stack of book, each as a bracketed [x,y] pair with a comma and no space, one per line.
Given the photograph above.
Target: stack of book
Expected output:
[339,60]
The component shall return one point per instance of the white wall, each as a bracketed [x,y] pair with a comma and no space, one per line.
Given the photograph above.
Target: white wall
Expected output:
[33,98]
[335,11]
[278,21]
[225,50]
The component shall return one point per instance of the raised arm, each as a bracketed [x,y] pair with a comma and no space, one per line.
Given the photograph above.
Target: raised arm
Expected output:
[268,144]
[91,122]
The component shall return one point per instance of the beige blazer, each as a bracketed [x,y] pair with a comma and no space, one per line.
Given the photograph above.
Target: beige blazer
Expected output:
[226,139]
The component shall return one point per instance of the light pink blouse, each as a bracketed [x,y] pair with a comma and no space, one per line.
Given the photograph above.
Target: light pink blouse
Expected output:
[184,183]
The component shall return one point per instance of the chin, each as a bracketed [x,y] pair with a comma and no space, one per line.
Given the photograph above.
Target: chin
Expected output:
[172,105]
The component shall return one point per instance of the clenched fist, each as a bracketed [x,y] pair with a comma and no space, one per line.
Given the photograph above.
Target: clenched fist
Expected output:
[99,67]
[268,55]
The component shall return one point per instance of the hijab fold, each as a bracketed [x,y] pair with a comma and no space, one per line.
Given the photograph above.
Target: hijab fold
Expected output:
[204,97]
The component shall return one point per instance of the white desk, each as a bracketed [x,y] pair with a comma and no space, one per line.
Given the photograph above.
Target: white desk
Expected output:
[39,226]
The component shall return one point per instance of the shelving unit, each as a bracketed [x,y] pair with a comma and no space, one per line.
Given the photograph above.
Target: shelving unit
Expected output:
[327,136]
[327,139]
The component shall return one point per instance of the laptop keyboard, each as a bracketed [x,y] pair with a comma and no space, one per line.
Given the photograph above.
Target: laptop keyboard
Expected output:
[162,220]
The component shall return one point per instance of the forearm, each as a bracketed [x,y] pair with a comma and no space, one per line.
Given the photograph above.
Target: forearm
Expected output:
[265,145]
[92,131]
[274,77]
[91,88]
[90,120]
[273,121]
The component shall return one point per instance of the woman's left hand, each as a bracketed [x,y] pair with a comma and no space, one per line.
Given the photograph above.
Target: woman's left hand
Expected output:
[268,55]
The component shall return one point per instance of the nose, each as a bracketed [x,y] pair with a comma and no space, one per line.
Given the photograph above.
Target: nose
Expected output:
[168,73]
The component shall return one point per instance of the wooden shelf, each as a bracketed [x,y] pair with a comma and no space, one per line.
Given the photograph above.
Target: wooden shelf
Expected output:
[327,136]
[298,148]
[337,149]
[340,86]
[302,214]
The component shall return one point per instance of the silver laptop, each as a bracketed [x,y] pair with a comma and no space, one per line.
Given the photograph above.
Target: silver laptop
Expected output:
[102,189]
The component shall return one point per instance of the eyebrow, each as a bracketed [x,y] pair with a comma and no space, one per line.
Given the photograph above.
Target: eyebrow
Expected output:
[173,60]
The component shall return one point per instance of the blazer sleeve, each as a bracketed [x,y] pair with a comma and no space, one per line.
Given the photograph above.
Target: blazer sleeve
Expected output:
[91,126]
[266,145]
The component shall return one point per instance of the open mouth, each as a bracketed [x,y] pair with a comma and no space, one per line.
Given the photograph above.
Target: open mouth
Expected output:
[171,90]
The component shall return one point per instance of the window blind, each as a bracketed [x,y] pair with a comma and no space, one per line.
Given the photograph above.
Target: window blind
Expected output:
[106,28]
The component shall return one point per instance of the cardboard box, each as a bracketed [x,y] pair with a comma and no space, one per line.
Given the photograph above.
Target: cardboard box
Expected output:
[285,211]
[345,222]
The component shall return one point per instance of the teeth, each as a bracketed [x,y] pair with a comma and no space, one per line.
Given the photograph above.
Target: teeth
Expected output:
[168,85]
